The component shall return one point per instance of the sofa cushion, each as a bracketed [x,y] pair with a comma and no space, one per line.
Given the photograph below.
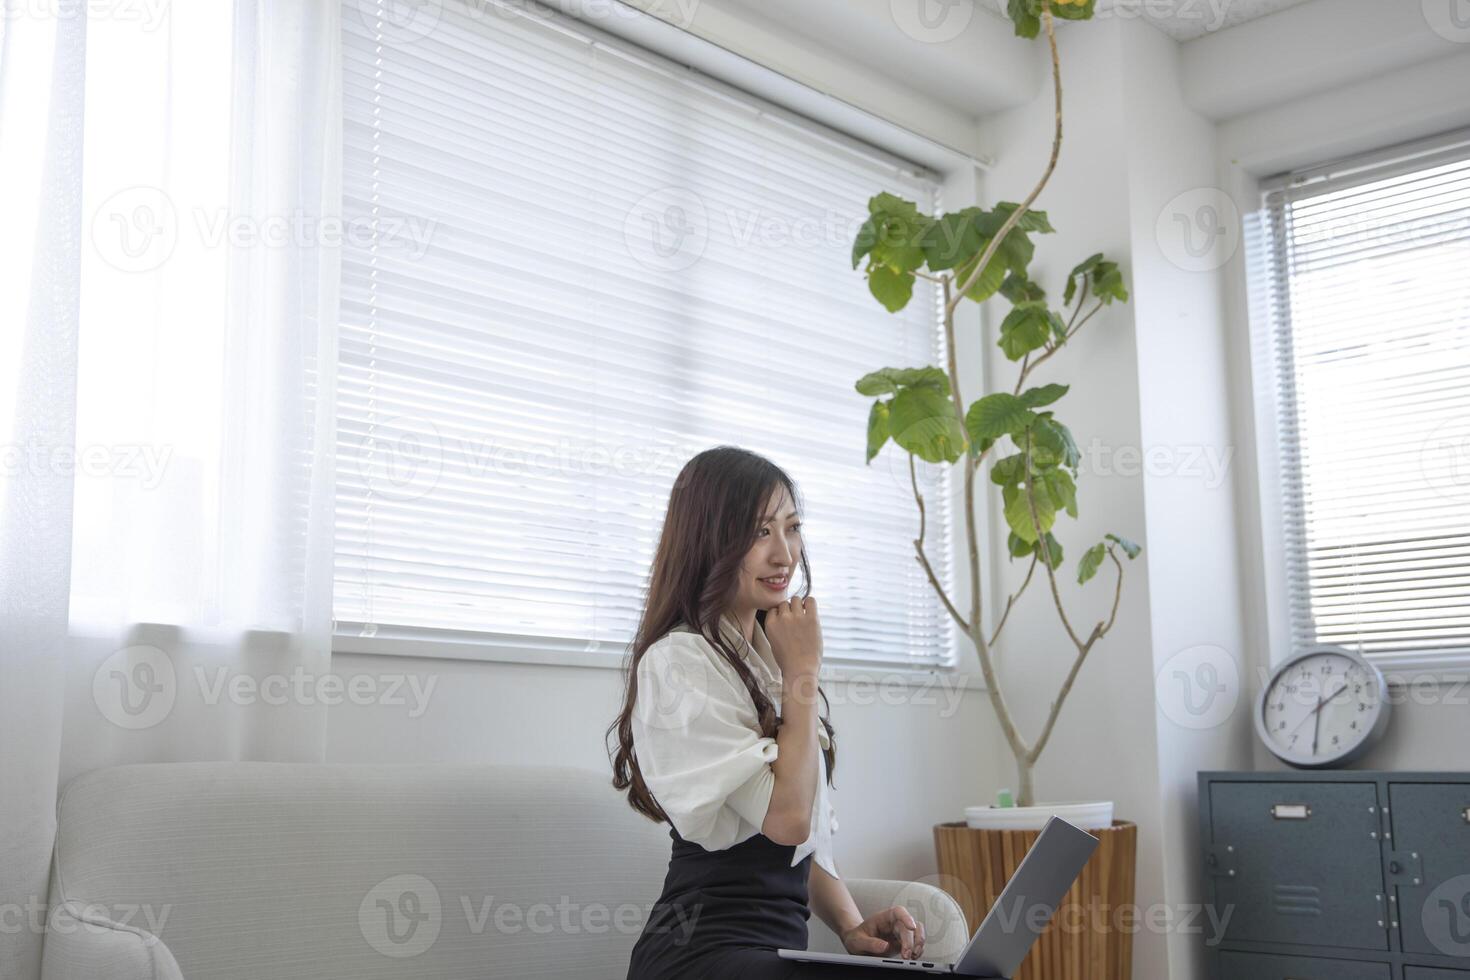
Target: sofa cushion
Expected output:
[253,871]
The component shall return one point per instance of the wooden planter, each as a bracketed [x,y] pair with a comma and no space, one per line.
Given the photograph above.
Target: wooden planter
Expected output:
[1083,940]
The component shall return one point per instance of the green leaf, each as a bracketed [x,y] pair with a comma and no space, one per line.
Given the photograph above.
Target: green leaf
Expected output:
[1058,328]
[1018,289]
[1030,221]
[1092,560]
[1025,15]
[922,421]
[996,415]
[1045,395]
[1018,512]
[1019,547]
[1025,329]
[1018,249]
[891,204]
[1053,550]
[951,240]
[892,289]
[989,281]
[867,237]
[1008,470]
[1108,283]
[1085,266]
[1129,548]
[1082,269]
[1060,488]
[877,383]
[877,429]
[886,381]
[1074,11]
[891,237]
[1052,444]
[1103,279]
[923,377]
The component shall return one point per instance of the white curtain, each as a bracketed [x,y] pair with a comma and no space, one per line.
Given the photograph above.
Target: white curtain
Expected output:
[167,589]
[40,205]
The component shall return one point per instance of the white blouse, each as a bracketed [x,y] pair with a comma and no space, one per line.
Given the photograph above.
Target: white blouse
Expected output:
[697,740]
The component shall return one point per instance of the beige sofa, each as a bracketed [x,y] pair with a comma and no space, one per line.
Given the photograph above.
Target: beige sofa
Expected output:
[263,871]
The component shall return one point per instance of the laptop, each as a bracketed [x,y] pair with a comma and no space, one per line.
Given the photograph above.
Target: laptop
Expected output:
[1025,907]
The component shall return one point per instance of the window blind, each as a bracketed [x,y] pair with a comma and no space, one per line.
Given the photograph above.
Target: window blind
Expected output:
[570,266]
[1360,271]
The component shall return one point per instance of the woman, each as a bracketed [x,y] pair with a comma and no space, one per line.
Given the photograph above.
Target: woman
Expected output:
[719,736]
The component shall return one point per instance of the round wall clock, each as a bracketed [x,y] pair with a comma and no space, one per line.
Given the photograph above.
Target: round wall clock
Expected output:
[1323,708]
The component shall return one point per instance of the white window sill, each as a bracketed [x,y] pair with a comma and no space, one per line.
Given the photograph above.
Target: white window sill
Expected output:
[500,648]
[1425,670]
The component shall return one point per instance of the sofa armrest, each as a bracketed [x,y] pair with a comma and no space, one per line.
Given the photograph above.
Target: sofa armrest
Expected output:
[945,932]
[83,944]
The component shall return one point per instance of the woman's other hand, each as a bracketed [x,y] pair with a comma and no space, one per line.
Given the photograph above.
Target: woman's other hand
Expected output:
[892,932]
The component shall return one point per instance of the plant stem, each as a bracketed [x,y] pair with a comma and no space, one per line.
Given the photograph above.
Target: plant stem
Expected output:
[1031,366]
[1056,149]
[1023,753]
[924,558]
[1012,601]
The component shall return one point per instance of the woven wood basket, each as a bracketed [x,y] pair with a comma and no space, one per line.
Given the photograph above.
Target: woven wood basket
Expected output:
[1083,941]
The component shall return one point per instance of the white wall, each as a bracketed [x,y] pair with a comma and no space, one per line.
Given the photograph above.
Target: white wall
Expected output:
[907,758]
[1194,567]
[1105,744]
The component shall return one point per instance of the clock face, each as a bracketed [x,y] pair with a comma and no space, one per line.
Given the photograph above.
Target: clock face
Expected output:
[1324,708]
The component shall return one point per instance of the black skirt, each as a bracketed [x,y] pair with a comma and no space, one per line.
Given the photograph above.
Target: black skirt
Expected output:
[723,914]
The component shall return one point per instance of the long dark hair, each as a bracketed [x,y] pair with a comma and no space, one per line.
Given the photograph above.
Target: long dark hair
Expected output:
[713,517]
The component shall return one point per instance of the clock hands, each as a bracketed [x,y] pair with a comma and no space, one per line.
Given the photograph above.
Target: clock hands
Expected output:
[1322,701]
[1316,715]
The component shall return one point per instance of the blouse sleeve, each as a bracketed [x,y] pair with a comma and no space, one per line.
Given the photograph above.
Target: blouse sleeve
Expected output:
[698,744]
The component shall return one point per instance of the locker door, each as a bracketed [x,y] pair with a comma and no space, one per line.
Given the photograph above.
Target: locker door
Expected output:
[1432,821]
[1305,860]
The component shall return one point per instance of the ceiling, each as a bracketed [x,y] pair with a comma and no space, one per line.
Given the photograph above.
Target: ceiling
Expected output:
[1183,20]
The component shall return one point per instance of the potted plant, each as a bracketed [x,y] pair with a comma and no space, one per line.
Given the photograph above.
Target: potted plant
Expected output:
[973,255]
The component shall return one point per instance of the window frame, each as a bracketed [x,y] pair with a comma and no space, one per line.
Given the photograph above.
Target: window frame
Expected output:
[957,175]
[1418,668]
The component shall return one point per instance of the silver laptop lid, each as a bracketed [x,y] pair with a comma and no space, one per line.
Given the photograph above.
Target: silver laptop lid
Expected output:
[1028,901]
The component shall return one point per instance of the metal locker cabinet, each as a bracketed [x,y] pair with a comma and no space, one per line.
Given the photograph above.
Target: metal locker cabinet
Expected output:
[1298,863]
[1431,846]
[1263,966]
[1433,973]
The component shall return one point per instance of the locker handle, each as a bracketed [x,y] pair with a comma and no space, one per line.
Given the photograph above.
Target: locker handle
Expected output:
[1466,814]
[1291,811]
